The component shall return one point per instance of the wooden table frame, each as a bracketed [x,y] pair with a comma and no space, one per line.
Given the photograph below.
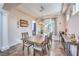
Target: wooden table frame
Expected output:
[34,40]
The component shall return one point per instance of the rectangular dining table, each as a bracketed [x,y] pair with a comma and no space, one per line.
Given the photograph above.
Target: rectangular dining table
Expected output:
[36,40]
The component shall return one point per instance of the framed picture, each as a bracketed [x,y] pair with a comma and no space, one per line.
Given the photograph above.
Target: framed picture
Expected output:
[23,23]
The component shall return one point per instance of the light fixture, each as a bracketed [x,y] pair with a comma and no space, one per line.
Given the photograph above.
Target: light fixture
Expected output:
[42,8]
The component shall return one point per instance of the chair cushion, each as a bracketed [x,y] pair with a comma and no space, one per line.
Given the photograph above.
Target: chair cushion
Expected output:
[38,48]
[27,44]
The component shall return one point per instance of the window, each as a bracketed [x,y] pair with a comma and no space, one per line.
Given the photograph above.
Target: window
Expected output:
[50,26]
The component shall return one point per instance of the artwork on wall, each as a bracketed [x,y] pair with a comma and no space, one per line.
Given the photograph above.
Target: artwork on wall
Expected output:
[23,23]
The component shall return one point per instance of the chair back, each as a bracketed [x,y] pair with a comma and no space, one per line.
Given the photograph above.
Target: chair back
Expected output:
[46,39]
[50,35]
[25,35]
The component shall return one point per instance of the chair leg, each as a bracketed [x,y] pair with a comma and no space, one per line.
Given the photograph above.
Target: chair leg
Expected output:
[28,50]
[33,52]
[23,49]
[23,45]
[47,46]
[42,52]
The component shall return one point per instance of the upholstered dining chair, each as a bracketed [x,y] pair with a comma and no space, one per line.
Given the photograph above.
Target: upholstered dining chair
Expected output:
[44,47]
[26,42]
[50,37]
[41,48]
[47,42]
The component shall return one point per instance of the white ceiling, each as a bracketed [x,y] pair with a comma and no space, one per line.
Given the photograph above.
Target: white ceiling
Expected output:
[34,8]
[1,5]
[9,6]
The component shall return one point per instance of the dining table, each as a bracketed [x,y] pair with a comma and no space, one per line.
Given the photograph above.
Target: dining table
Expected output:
[36,40]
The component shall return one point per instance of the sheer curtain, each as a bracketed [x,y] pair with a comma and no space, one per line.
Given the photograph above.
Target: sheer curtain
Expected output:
[50,26]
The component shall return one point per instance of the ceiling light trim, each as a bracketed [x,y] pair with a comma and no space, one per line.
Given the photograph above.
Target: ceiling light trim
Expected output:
[25,13]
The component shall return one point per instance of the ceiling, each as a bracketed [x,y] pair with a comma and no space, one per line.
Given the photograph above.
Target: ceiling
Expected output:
[9,6]
[1,5]
[49,9]
[53,9]
[33,9]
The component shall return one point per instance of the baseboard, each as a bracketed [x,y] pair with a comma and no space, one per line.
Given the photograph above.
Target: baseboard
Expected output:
[14,44]
[10,45]
[7,47]
[4,48]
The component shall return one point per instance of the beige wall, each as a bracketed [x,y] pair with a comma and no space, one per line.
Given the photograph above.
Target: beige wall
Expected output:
[73,25]
[14,32]
[61,23]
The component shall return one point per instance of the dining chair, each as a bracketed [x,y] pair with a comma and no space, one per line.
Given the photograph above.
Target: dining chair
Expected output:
[41,48]
[26,42]
[47,42]
[50,38]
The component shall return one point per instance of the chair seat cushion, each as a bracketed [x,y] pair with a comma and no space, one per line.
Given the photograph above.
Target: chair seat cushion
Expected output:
[27,44]
[38,48]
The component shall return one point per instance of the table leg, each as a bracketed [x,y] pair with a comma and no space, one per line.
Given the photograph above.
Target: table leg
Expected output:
[23,47]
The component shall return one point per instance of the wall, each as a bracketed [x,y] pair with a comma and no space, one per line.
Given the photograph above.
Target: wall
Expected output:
[14,32]
[61,23]
[73,25]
